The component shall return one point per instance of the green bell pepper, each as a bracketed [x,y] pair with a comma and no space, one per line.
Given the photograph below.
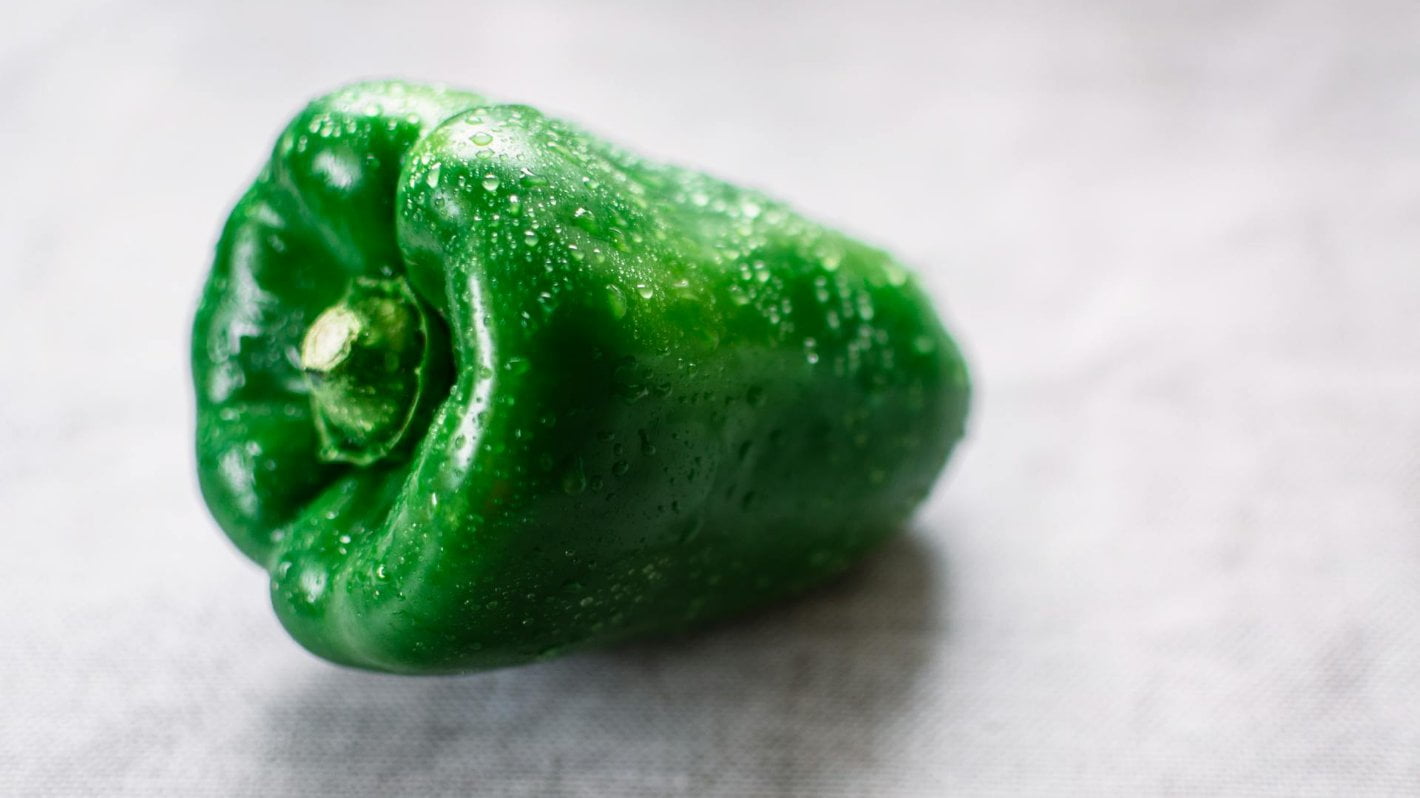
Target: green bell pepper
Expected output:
[478,388]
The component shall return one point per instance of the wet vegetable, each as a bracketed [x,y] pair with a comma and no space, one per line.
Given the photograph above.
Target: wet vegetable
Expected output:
[478,387]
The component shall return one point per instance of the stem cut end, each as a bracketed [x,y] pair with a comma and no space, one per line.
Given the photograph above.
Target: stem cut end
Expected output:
[368,360]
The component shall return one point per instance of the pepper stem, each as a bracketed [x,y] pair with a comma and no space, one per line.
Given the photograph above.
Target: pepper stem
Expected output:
[368,360]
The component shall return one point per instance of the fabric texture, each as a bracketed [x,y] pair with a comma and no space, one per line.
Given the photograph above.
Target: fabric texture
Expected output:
[1178,555]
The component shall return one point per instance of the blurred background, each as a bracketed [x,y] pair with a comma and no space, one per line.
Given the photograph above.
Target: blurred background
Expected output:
[1178,555]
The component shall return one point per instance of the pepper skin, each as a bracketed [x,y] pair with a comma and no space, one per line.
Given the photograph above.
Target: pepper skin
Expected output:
[479,388]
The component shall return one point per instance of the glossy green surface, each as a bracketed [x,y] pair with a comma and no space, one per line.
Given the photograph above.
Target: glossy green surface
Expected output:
[663,399]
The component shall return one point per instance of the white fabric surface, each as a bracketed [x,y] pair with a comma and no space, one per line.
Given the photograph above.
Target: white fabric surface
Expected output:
[1180,554]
